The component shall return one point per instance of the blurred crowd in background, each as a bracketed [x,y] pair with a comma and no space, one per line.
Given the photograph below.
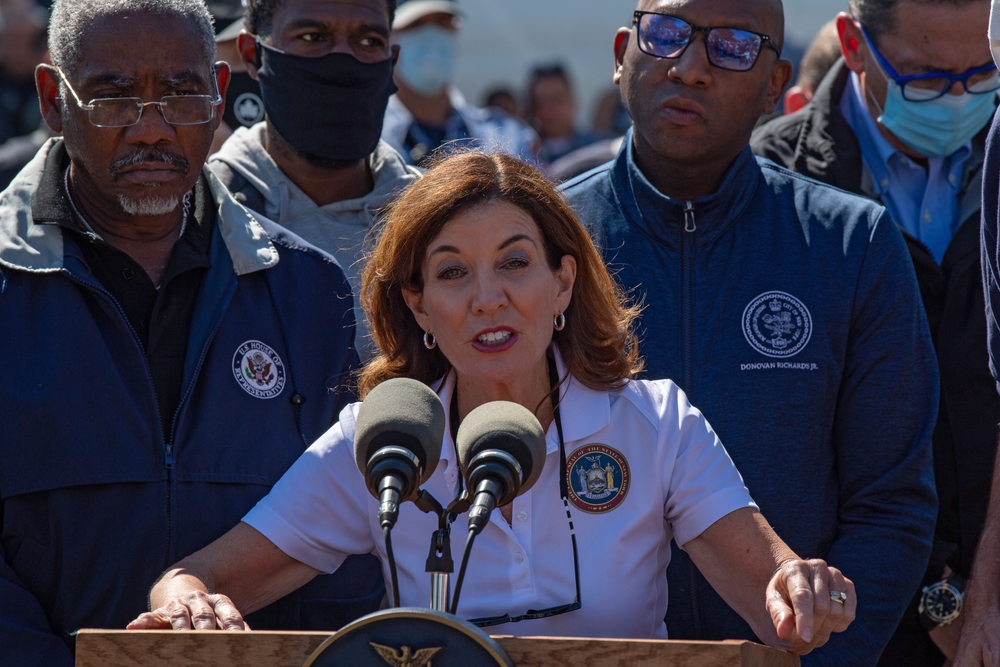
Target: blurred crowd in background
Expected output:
[568,140]
[23,26]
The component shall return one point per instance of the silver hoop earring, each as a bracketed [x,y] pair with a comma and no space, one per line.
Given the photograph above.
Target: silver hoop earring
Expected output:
[559,323]
[429,341]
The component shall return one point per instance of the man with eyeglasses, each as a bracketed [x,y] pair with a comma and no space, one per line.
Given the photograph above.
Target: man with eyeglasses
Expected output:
[903,119]
[786,309]
[167,355]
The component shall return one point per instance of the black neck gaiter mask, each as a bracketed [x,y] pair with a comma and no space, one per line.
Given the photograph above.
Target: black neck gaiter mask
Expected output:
[331,107]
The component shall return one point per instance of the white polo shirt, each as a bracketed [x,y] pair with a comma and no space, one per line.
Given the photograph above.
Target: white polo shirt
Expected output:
[645,467]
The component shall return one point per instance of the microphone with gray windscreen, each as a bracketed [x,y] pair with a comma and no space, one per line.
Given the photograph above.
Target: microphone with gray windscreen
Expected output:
[397,442]
[501,451]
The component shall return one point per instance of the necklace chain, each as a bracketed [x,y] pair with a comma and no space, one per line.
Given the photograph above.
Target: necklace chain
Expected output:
[186,203]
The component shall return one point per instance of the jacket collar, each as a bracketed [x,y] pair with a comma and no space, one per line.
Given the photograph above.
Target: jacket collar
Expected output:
[583,411]
[972,178]
[663,218]
[39,248]
[249,246]
[835,154]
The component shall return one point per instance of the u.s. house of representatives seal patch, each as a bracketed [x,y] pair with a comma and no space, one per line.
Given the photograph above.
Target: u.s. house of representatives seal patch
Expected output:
[258,369]
[777,324]
[598,478]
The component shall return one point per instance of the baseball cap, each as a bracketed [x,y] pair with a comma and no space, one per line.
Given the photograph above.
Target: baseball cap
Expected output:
[409,11]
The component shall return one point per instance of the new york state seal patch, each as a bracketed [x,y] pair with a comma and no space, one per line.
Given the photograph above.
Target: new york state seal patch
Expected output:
[598,478]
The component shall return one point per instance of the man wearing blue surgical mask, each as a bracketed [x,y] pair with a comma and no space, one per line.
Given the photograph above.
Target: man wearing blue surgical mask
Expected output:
[903,119]
[426,113]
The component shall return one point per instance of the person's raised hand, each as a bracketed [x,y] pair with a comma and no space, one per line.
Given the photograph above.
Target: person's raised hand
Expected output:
[808,601]
[195,611]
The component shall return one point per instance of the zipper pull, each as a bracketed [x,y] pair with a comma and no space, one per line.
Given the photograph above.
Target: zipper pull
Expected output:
[169,456]
[689,224]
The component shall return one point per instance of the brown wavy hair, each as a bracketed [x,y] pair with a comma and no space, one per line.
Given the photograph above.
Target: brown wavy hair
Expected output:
[598,343]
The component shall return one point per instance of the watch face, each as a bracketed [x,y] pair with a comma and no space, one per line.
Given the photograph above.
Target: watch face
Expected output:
[942,603]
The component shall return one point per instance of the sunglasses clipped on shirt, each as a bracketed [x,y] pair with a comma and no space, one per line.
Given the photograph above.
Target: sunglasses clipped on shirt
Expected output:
[666,36]
[535,614]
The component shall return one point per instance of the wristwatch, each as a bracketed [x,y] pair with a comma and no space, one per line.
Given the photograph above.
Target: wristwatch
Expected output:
[941,602]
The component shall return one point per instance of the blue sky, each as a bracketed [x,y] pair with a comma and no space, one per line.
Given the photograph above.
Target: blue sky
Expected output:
[502,39]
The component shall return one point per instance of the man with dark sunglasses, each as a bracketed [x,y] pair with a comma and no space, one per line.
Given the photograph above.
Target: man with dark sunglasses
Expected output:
[786,309]
[903,119]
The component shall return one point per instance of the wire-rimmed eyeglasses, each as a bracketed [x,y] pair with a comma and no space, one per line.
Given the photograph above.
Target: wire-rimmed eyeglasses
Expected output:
[666,36]
[126,111]
[932,85]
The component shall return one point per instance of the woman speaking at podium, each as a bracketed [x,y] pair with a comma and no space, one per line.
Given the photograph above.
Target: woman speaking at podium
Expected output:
[484,286]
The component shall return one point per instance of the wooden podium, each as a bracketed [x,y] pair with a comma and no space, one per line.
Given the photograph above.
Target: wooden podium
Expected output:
[156,648]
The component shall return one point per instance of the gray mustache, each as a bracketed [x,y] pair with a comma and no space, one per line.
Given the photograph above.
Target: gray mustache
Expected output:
[141,156]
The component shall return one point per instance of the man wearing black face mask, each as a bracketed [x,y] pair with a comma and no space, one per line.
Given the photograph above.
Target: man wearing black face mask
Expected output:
[316,165]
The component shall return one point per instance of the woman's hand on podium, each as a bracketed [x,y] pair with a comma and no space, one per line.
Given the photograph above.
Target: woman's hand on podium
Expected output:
[246,565]
[197,610]
[808,601]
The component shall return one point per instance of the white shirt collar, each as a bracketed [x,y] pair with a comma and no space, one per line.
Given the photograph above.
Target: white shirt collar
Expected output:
[583,411]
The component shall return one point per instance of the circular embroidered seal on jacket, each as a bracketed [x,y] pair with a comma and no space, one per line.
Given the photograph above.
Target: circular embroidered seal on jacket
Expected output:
[258,369]
[777,324]
[598,478]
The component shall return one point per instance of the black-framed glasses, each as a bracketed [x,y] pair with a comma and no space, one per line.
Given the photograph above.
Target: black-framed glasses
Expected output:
[534,614]
[932,85]
[666,36]
[126,111]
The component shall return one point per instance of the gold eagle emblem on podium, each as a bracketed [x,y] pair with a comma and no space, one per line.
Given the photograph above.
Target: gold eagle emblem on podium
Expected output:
[401,657]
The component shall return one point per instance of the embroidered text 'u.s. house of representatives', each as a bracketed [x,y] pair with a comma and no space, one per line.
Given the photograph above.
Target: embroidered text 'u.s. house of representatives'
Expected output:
[258,369]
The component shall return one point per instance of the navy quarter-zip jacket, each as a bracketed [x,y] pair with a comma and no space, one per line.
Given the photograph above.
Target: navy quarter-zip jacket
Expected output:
[789,313]
[95,501]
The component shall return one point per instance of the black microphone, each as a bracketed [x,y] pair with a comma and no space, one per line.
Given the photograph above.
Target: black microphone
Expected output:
[397,442]
[501,449]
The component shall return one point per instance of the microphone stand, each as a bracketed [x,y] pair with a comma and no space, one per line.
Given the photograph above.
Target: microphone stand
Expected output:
[439,563]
